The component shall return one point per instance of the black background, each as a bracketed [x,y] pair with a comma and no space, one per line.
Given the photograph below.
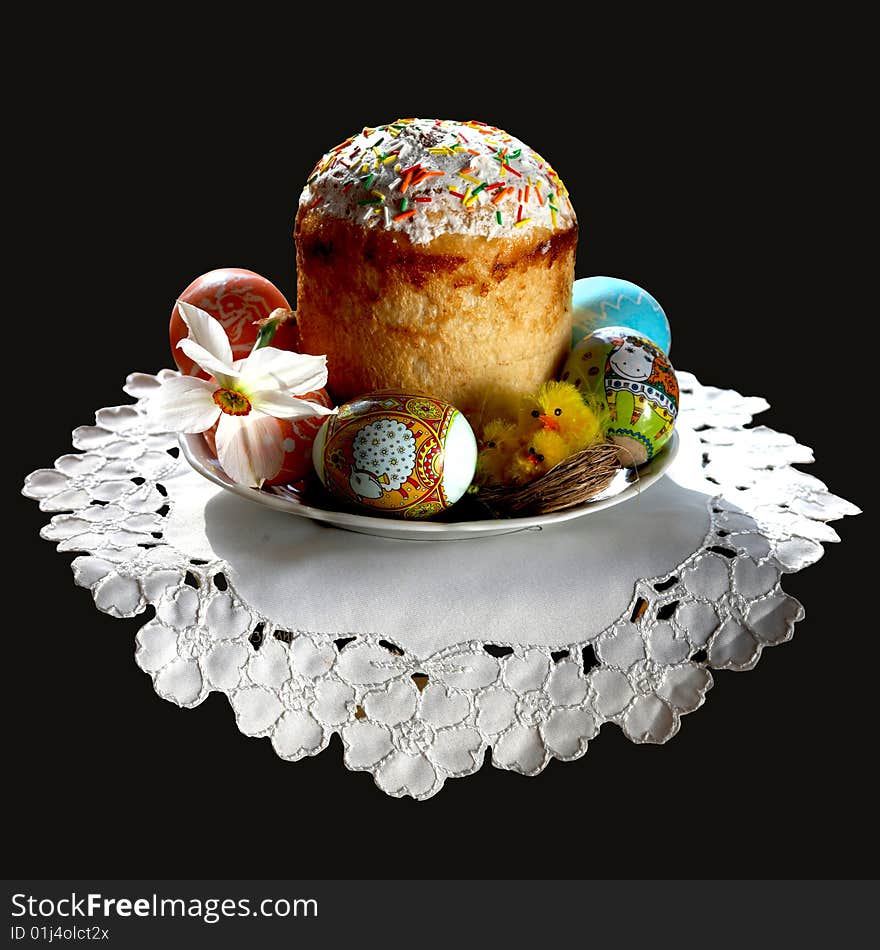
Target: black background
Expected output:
[709,193]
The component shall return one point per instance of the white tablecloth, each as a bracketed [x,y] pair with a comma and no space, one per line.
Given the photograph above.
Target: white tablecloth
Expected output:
[422,654]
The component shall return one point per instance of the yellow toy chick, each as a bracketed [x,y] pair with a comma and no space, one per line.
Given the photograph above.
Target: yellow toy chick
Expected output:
[542,451]
[498,442]
[559,408]
[551,424]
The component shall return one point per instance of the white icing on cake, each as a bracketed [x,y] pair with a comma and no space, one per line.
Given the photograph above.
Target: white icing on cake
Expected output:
[426,177]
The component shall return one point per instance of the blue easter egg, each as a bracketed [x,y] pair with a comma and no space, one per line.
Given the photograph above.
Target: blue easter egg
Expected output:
[599,302]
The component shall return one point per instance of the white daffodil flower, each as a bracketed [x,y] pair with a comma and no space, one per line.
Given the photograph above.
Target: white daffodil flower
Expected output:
[247,396]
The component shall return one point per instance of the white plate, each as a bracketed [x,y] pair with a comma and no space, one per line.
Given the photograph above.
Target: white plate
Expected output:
[627,484]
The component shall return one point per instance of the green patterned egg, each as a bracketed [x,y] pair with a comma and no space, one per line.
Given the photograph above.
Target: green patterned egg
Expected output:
[638,383]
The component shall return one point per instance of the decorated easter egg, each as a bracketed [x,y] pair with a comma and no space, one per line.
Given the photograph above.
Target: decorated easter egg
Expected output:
[638,383]
[599,302]
[236,298]
[396,454]
[297,436]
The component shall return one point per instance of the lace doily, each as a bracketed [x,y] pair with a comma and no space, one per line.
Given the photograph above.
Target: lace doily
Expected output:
[253,609]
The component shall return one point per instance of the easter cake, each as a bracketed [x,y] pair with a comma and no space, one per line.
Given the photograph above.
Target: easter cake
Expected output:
[435,256]
[436,303]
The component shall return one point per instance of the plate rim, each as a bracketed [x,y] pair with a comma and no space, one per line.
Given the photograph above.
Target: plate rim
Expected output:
[193,447]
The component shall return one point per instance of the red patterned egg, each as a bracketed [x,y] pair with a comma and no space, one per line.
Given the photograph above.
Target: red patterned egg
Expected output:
[236,298]
[297,436]
[410,456]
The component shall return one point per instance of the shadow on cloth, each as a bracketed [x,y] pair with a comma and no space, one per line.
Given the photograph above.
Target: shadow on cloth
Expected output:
[546,588]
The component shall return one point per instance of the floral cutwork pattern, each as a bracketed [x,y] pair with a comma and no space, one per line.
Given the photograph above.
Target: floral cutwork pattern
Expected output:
[414,723]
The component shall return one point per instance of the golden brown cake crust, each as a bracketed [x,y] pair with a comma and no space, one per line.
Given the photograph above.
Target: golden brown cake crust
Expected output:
[454,317]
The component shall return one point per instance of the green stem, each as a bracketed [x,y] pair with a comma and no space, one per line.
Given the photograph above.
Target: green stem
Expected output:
[266,334]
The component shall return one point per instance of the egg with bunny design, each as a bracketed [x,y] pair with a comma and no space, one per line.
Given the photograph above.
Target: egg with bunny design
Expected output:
[638,383]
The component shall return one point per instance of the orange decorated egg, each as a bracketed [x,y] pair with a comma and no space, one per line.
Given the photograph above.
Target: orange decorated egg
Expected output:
[394,453]
[236,298]
[297,436]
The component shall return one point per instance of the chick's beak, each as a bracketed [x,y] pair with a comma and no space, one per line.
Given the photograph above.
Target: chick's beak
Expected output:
[549,422]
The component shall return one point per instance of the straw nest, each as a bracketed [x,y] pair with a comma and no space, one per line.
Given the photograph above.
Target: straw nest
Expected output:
[574,480]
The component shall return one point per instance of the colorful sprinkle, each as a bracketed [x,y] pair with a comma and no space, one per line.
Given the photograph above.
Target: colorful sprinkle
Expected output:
[425,173]
[359,162]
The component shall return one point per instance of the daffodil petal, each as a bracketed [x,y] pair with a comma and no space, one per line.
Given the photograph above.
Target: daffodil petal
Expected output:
[269,368]
[206,331]
[282,406]
[249,447]
[185,404]
[225,375]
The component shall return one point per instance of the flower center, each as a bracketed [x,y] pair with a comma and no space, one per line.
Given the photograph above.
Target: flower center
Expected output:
[533,708]
[646,676]
[232,403]
[414,737]
[297,696]
[193,642]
